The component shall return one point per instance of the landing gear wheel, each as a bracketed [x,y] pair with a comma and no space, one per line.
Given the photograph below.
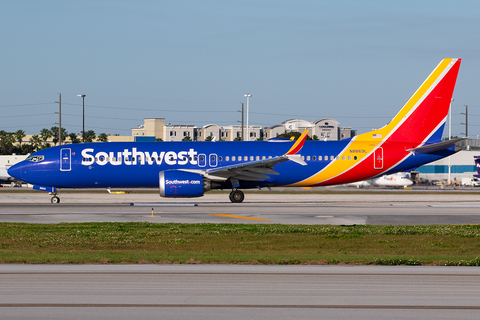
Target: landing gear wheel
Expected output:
[237,196]
[55,199]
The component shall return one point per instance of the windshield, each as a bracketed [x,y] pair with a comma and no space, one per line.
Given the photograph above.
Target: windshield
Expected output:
[35,158]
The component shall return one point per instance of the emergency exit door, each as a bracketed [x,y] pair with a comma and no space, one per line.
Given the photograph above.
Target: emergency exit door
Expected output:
[65,159]
[378,159]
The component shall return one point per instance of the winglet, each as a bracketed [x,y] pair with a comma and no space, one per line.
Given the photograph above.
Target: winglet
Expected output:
[298,144]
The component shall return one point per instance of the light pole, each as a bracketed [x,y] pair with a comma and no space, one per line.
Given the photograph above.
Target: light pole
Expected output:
[83,132]
[248,95]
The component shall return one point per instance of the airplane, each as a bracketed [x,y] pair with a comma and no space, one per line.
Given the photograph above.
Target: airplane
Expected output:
[189,169]
[4,176]
[477,165]
[399,179]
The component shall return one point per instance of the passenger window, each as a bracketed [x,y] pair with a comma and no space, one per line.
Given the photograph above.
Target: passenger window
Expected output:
[308,158]
[343,157]
[233,158]
[314,158]
[354,157]
[245,158]
[227,158]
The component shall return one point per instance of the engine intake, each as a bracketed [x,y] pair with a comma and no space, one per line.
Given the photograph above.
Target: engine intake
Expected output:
[182,184]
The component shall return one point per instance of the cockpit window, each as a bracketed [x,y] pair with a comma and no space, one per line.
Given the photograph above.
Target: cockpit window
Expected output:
[35,158]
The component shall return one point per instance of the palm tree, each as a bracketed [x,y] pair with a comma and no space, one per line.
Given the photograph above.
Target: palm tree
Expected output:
[73,137]
[90,136]
[56,138]
[35,141]
[102,137]
[45,134]
[19,135]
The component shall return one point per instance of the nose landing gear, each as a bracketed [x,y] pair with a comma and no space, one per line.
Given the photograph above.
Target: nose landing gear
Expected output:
[55,198]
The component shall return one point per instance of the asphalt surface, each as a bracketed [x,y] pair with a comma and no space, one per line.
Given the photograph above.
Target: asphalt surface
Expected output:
[237,292]
[403,208]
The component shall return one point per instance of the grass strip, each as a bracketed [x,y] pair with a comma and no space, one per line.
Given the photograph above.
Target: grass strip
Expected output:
[238,243]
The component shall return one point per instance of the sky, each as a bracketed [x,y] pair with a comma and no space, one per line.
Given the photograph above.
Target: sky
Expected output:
[192,62]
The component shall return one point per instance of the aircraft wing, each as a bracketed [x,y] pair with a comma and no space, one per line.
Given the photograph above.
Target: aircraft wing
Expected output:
[258,170]
[250,171]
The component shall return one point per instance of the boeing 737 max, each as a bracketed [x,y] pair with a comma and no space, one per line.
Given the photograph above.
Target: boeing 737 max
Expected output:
[189,169]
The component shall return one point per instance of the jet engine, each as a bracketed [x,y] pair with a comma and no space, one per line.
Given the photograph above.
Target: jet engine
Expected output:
[182,184]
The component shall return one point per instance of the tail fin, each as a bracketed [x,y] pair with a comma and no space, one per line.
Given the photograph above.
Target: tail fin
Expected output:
[419,123]
[423,117]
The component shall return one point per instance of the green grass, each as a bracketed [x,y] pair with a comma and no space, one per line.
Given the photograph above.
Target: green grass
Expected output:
[238,243]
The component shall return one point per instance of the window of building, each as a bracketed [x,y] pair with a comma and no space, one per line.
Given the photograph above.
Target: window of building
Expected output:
[186,134]
[173,133]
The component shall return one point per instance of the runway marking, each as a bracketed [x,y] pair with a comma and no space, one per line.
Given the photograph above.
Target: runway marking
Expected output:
[454,206]
[274,306]
[237,217]
[162,204]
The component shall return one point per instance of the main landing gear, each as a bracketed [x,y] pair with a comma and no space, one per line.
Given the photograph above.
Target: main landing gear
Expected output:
[236,196]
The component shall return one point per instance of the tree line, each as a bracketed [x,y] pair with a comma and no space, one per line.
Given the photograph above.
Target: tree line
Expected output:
[12,142]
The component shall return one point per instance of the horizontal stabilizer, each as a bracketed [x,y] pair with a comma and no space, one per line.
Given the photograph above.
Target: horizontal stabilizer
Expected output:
[431,148]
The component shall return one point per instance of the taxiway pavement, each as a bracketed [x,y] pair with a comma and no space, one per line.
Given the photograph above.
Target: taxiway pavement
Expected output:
[308,208]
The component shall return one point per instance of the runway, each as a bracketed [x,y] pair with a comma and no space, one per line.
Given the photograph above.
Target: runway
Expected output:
[238,292]
[334,209]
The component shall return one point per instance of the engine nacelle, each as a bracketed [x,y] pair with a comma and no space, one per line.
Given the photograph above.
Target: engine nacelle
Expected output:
[181,184]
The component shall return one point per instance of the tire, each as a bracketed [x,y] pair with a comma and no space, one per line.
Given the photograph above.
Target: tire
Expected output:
[55,200]
[237,196]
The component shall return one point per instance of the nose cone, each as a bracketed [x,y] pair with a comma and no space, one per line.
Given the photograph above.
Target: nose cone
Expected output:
[16,170]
